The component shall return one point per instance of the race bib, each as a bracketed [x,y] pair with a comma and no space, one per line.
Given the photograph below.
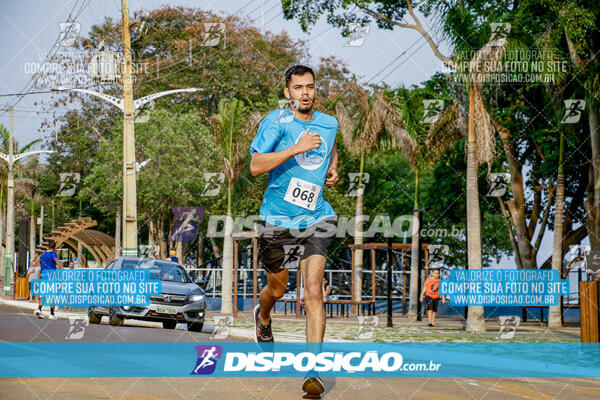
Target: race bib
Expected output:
[302,194]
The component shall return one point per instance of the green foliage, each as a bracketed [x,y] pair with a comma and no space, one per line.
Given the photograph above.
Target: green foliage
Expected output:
[179,149]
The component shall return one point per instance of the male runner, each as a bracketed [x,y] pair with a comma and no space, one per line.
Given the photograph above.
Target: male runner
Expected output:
[297,147]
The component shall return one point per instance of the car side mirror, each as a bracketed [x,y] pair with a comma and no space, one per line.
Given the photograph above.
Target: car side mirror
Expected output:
[200,281]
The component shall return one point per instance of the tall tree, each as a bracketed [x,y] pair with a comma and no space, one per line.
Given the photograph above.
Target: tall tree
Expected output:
[233,129]
[374,116]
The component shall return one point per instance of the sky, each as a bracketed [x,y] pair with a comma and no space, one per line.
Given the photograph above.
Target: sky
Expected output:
[29,29]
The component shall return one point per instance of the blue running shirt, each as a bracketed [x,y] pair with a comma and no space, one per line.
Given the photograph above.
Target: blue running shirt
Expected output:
[308,171]
[47,260]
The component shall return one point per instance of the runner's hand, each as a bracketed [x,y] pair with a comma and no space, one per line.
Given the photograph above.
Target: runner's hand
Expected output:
[332,177]
[308,141]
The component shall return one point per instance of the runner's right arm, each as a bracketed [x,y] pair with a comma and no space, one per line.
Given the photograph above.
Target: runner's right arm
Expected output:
[266,162]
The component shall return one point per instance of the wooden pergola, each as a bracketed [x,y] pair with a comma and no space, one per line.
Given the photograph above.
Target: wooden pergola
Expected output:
[100,245]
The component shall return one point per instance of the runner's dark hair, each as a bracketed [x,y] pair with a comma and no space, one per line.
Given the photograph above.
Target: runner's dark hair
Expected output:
[297,70]
[51,244]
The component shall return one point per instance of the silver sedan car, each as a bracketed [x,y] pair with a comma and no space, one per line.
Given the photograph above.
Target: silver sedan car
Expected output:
[181,299]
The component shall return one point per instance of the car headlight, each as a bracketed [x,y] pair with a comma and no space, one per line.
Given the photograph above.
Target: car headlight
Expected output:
[197,297]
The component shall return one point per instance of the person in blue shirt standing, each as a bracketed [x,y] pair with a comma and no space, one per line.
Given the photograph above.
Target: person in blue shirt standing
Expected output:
[48,261]
[296,146]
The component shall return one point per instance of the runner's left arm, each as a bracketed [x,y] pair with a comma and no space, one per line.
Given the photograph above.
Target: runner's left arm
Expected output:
[333,166]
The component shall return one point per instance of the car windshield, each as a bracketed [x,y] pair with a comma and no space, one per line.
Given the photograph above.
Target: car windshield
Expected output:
[159,270]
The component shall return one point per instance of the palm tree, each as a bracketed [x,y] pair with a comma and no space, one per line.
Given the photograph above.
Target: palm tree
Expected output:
[421,154]
[481,148]
[373,114]
[232,127]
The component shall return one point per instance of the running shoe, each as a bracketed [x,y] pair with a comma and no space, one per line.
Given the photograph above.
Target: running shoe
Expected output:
[38,314]
[263,332]
[312,387]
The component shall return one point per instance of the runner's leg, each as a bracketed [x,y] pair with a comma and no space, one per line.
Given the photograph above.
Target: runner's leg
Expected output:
[275,289]
[313,268]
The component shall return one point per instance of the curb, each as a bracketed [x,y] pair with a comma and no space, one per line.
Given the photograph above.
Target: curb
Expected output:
[66,314]
[235,332]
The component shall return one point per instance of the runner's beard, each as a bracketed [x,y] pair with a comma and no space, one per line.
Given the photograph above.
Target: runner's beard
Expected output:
[296,104]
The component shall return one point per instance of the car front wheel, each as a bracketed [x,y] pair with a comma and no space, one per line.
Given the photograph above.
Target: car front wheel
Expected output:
[114,319]
[93,317]
[195,326]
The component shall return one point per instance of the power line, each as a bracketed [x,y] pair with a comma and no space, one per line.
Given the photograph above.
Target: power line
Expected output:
[399,65]
[395,59]
[34,79]
[207,58]
[185,59]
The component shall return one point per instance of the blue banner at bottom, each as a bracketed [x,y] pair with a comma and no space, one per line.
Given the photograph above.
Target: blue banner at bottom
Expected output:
[338,359]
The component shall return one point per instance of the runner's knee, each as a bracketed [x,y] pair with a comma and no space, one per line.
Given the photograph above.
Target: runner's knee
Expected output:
[313,293]
[277,290]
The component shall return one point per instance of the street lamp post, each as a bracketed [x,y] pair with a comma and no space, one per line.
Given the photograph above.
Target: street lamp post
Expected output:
[129,162]
[11,159]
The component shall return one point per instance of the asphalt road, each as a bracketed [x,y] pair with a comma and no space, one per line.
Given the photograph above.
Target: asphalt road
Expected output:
[21,325]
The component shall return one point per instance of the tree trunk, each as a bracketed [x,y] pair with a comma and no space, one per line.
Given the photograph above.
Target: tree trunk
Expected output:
[152,238]
[517,205]
[151,232]
[554,314]
[358,233]
[200,251]
[227,277]
[162,244]
[414,259]
[593,203]
[179,249]
[2,236]
[475,315]
[118,234]
[215,247]
[32,238]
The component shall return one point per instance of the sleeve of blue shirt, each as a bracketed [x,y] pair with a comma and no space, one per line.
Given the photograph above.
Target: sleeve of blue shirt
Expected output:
[267,136]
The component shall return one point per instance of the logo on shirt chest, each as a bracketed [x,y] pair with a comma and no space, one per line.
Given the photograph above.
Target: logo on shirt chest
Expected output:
[313,159]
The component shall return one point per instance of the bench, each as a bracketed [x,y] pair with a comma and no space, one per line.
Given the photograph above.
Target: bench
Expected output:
[524,312]
[340,309]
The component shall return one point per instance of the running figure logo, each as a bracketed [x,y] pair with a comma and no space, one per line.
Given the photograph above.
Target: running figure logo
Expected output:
[431,110]
[77,327]
[207,359]
[508,326]
[498,184]
[212,183]
[573,110]
[357,34]
[500,30]
[68,183]
[293,252]
[437,255]
[223,324]
[366,327]
[354,180]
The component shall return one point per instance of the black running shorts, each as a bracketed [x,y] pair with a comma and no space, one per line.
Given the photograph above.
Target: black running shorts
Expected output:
[431,303]
[280,247]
